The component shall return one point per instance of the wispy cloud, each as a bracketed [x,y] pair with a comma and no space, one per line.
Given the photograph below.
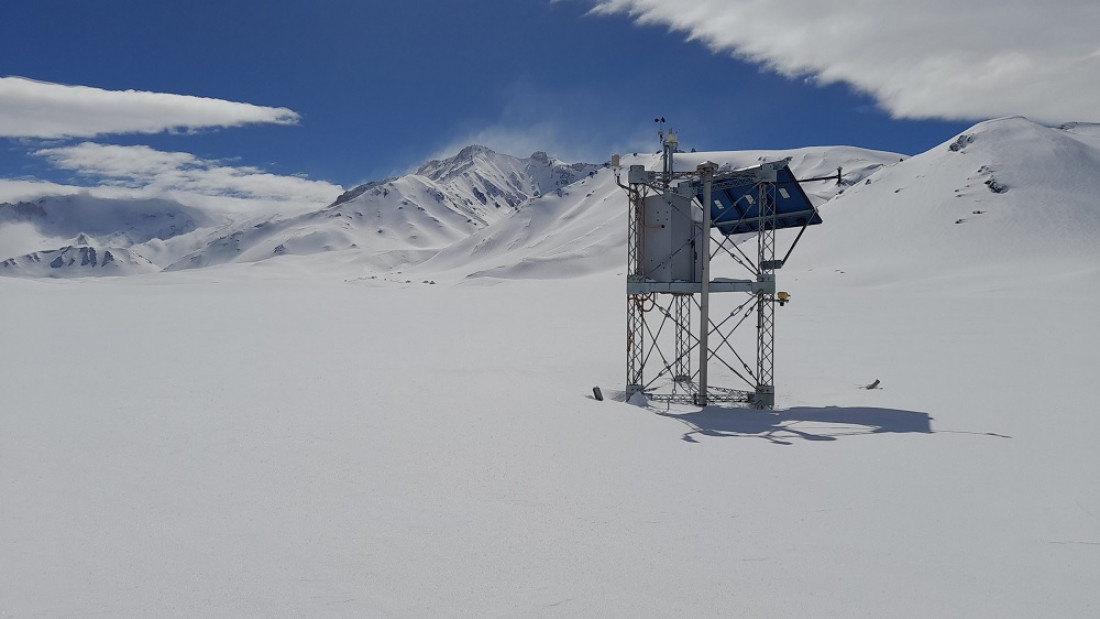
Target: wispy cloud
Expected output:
[141,171]
[18,190]
[33,109]
[952,59]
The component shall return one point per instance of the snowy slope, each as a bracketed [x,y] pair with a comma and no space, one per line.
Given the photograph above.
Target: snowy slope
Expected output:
[492,180]
[480,211]
[82,235]
[86,258]
[994,189]
[1006,192]
[443,202]
[582,229]
[577,230]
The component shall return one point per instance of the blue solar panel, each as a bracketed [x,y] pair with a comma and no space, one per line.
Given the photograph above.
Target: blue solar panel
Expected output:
[735,204]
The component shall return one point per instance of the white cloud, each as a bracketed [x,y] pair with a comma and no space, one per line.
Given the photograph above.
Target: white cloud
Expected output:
[19,190]
[32,109]
[954,59]
[141,171]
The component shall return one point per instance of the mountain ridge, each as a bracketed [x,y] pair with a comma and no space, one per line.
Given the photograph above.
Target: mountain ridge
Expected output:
[480,213]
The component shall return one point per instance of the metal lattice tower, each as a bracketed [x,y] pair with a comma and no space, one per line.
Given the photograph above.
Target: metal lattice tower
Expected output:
[670,317]
[681,319]
[765,303]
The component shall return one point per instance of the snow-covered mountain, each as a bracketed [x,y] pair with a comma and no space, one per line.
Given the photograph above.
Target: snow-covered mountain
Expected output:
[1004,187]
[84,259]
[1005,192]
[492,180]
[396,220]
[482,212]
[83,235]
[441,203]
[582,228]
[121,222]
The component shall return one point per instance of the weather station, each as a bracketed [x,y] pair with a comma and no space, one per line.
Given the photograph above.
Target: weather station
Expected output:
[685,326]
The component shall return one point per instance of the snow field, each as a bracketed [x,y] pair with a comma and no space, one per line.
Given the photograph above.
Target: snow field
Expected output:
[228,445]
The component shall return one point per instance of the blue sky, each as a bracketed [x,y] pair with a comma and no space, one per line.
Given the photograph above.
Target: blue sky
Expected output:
[379,87]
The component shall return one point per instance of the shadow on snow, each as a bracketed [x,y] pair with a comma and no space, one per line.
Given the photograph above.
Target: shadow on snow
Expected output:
[806,423]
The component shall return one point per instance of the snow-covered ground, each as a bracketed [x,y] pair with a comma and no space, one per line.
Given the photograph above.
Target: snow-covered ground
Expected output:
[320,435]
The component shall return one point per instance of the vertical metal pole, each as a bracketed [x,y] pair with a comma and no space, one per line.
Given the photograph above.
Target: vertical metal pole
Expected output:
[635,346]
[765,307]
[707,169]
[670,143]
[635,318]
[681,312]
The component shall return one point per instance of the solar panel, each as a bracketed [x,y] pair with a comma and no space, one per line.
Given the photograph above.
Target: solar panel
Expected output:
[735,198]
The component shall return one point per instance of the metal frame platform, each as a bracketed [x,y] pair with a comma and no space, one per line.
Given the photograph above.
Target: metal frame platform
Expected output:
[670,324]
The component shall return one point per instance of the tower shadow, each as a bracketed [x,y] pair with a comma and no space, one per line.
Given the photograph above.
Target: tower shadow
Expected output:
[805,423]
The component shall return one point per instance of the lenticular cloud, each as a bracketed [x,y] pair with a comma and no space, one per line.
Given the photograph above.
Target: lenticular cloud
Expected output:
[969,59]
[32,109]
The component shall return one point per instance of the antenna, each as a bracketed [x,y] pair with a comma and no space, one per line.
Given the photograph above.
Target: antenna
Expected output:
[669,146]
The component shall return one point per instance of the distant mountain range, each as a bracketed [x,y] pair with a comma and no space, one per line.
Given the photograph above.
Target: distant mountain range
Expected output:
[996,189]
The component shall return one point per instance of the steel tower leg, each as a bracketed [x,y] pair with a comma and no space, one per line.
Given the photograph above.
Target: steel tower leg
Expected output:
[635,317]
[765,302]
[681,312]
[707,170]
[635,345]
[765,351]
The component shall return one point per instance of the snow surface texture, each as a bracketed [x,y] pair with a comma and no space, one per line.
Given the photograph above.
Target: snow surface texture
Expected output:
[316,435]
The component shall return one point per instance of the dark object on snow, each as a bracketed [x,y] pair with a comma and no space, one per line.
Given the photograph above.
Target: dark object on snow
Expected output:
[961,143]
[596,393]
[873,385]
